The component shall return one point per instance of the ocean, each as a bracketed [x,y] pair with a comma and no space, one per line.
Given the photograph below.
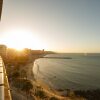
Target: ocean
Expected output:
[82,72]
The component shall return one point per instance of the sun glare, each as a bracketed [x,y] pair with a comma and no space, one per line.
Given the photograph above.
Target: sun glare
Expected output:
[22,39]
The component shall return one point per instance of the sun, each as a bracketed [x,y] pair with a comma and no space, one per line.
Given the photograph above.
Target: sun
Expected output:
[19,40]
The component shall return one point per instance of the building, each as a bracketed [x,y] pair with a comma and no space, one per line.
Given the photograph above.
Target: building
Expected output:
[3,50]
[1,2]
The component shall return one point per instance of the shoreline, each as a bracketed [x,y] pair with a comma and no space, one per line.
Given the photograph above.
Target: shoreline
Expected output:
[39,82]
[18,94]
[66,92]
[45,87]
[40,85]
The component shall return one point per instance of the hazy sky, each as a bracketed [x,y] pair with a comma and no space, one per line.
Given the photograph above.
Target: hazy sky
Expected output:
[59,25]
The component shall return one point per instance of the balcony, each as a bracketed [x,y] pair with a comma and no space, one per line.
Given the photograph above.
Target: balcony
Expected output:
[4,84]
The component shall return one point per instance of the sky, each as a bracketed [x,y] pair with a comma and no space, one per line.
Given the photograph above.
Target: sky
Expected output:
[57,25]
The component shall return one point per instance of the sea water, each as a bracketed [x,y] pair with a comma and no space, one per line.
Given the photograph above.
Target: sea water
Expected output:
[80,72]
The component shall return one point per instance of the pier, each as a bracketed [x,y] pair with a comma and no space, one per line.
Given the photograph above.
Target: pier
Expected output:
[57,57]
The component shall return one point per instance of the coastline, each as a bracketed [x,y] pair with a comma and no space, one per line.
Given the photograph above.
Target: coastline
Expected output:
[68,93]
[40,83]
[46,88]
[17,94]
[39,86]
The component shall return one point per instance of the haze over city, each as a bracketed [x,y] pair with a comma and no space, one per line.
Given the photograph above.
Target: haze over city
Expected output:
[57,25]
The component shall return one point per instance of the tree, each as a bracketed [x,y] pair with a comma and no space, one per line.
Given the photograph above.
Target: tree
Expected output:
[53,98]
[27,86]
[23,74]
[15,75]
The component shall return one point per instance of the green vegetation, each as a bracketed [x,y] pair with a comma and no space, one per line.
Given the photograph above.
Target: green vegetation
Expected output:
[15,75]
[23,74]
[26,85]
[53,98]
[40,94]
[89,94]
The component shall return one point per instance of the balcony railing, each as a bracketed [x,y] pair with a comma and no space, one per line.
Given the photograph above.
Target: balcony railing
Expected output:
[4,84]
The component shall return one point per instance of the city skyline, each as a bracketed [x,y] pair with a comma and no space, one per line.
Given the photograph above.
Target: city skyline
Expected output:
[57,25]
